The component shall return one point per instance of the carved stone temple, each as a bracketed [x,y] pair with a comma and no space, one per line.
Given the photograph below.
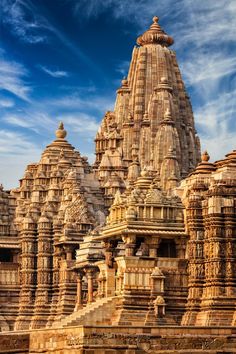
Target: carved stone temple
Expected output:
[136,253]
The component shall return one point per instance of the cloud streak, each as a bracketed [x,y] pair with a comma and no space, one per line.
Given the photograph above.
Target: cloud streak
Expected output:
[12,75]
[26,21]
[54,73]
[23,21]
[16,151]
[6,103]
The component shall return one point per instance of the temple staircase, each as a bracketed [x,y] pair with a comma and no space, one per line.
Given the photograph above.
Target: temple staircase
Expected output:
[97,313]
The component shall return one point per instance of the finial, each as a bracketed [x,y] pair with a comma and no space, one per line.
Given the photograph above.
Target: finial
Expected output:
[155,19]
[155,35]
[61,126]
[61,132]
[124,81]
[205,157]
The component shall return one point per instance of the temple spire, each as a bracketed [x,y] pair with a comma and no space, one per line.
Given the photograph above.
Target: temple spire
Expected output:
[152,111]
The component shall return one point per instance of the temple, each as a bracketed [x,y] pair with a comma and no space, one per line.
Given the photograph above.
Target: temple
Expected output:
[135,252]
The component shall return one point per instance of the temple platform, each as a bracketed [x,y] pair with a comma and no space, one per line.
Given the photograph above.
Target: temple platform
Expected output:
[121,340]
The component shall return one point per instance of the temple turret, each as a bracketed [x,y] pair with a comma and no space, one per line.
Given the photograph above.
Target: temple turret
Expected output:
[151,101]
[57,202]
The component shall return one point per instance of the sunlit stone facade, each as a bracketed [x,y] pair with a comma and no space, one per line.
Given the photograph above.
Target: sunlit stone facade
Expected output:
[143,241]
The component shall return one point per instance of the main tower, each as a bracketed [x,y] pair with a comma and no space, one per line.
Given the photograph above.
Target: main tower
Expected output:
[152,124]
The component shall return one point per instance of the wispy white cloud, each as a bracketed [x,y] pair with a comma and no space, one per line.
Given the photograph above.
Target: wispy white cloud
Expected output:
[139,12]
[16,120]
[16,151]
[36,121]
[12,78]
[14,143]
[27,22]
[81,123]
[216,123]
[6,103]
[23,21]
[54,73]
[207,23]
[82,102]
[200,70]
[123,67]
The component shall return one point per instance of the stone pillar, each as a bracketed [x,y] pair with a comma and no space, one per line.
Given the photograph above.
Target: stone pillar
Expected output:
[153,245]
[90,275]
[109,252]
[28,236]
[130,244]
[69,252]
[153,252]
[44,273]
[57,230]
[79,303]
[196,269]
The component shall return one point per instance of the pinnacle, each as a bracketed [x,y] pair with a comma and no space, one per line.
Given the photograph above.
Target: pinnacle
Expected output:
[205,156]
[61,132]
[155,19]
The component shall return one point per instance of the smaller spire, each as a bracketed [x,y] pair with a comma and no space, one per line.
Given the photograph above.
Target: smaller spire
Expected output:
[124,86]
[204,166]
[61,132]
[124,82]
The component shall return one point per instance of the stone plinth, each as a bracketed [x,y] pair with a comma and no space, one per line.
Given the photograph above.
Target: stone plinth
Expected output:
[122,340]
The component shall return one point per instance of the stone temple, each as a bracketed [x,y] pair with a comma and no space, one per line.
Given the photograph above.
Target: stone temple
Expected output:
[135,254]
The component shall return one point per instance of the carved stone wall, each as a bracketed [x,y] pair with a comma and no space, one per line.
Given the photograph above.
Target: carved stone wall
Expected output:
[209,196]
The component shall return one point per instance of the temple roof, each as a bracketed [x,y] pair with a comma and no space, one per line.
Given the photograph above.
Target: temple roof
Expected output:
[155,35]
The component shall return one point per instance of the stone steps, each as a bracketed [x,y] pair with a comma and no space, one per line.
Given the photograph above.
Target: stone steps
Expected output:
[94,313]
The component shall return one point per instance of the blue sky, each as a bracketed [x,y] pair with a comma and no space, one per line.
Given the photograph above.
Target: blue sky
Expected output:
[64,59]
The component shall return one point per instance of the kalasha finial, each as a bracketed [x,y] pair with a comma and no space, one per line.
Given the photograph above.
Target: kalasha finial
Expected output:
[124,81]
[205,157]
[61,132]
[155,19]
[155,35]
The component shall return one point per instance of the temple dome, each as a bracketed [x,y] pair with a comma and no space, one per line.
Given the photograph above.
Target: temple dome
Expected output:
[155,35]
